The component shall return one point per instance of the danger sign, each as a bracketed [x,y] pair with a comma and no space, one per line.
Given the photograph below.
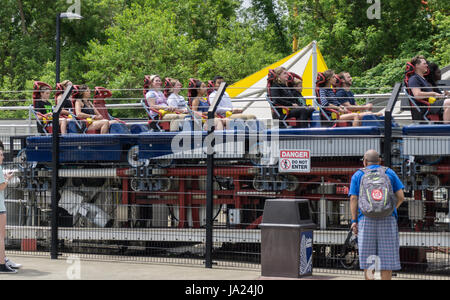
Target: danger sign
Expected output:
[295,161]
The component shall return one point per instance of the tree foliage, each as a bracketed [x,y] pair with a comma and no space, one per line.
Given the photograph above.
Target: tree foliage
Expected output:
[119,41]
[373,50]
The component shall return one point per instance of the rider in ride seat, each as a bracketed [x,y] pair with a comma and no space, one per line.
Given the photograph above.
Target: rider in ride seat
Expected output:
[44,109]
[328,99]
[423,93]
[287,100]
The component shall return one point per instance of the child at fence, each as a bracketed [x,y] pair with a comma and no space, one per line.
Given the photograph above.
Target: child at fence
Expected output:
[6,266]
[375,221]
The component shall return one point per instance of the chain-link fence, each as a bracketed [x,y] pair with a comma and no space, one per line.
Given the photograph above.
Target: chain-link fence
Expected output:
[142,196]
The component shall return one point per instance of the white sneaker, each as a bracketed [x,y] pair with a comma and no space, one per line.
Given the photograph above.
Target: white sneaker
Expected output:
[12,264]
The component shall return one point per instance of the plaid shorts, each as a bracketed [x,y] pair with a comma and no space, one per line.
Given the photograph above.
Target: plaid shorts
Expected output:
[378,243]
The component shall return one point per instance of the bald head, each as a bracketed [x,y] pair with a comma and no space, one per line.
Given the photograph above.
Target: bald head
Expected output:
[371,157]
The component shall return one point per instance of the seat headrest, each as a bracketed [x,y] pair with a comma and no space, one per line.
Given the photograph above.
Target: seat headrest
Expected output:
[271,76]
[36,88]
[167,86]
[211,87]
[192,84]
[75,91]
[102,93]
[147,82]
[339,81]
[320,79]
[409,71]
[291,77]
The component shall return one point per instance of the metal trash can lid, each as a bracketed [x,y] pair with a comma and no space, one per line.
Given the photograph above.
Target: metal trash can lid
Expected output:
[292,213]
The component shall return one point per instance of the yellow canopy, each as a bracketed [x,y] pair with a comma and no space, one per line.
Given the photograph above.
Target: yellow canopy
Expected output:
[254,86]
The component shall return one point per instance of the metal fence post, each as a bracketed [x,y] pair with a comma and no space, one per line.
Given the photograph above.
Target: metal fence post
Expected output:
[388,125]
[55,175]
[210,176]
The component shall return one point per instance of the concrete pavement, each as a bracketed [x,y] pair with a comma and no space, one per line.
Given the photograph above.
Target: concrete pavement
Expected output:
[72,268]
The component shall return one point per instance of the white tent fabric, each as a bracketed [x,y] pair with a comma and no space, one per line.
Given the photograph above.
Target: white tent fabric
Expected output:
[250,92]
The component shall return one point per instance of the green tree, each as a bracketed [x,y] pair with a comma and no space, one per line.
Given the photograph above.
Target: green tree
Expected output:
[156,41]
[373,50]
[267,15]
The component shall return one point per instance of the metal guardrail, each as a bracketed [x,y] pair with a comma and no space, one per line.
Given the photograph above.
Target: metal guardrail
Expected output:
[323,237]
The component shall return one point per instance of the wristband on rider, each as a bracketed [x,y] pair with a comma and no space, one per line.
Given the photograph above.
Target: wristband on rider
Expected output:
[354,221]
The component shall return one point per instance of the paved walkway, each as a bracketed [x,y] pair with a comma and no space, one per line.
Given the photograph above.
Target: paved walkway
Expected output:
[44,268]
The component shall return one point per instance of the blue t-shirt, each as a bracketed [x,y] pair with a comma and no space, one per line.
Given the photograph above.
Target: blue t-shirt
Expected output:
[416,81]
[356,182]
[345,96]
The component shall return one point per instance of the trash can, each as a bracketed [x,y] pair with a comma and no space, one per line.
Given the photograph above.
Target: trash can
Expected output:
[286,238]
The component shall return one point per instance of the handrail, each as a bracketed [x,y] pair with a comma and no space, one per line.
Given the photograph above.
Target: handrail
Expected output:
[388,124]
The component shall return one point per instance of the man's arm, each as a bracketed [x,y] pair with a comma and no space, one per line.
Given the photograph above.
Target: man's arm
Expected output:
[354,212]
[400,197]
[354,206]
[418,94]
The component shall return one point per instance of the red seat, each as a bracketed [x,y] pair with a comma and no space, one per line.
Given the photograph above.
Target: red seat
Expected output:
[44,124]
[100,94]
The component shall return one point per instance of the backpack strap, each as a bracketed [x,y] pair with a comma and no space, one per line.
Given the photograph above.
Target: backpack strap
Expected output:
[384,169]
[365,170]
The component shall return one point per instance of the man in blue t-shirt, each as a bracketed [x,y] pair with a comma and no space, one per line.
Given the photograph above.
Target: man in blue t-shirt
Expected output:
[422,90]
[346,97]
[377,237]
[344,94]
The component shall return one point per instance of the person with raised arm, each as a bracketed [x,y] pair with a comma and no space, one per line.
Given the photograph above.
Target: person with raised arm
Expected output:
[44,108]
[84,109]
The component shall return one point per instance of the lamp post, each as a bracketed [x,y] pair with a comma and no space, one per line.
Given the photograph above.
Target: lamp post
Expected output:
[59,16]
[55,138]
